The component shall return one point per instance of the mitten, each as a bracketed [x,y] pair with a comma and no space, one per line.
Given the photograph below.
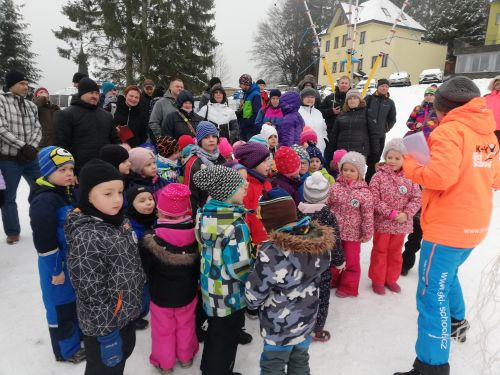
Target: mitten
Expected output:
[111,348]
[27,153]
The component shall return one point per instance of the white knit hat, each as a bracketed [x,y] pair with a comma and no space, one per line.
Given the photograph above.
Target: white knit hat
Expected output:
[267,131]
[316,188]
[395,144]
[356,159]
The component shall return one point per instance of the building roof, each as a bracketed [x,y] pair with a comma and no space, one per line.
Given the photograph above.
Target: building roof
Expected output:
[382,11]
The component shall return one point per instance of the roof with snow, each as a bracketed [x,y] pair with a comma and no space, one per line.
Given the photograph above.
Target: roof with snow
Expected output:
[382,11]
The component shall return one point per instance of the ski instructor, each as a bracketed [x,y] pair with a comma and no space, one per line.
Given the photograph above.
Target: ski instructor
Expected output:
[457,199]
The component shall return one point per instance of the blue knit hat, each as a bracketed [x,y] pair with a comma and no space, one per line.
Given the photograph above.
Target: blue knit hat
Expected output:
[51,158]
[107,87]
[315,152]
[204,129]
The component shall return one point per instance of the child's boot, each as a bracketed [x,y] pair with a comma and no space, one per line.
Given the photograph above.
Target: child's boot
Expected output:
[459,329]
[378,289]
[394,287]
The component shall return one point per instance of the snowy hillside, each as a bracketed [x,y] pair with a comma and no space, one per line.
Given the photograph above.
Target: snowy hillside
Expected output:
[371,334]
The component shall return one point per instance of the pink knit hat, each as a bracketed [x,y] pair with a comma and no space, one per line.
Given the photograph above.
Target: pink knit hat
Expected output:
[138,157]
[174,200]
[338,155]
[308,135]
[225,148]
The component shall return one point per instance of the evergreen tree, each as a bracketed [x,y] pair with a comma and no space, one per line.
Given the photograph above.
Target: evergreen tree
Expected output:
[15,43]
[284,46]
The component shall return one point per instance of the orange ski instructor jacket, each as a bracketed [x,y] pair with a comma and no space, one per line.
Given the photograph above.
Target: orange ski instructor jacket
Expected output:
[459,179]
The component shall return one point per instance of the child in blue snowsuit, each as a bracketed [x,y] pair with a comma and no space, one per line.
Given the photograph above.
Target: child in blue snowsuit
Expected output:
[49,204]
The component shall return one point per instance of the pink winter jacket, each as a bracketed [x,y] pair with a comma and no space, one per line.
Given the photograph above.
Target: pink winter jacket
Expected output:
[352,204]
[493,102]
[392,192]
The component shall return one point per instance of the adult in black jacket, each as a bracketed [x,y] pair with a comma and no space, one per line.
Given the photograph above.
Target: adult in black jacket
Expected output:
[331,107]
[353,130]
[383,110]
[184,120]
[83,128]
[129,113]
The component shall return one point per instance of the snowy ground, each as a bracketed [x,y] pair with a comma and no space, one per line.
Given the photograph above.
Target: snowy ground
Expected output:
[371,334]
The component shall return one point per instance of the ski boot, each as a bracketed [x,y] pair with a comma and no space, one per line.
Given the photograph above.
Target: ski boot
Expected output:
[459,329]
[78,357]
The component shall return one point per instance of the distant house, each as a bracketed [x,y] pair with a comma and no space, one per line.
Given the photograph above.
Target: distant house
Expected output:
[407,52]
[481,60]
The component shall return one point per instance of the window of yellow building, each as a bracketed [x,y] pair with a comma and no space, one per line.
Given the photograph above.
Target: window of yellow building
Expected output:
[344,40]
[327,46]
[373,61]
[385,60]
[342,66]
[497,21]
[336,42]
[360,64]
[334,67]
[362,37]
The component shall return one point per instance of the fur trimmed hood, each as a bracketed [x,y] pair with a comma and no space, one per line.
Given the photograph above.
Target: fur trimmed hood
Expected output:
[320,239]
[183,256]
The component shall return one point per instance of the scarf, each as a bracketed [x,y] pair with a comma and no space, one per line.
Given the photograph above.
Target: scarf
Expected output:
[206,158]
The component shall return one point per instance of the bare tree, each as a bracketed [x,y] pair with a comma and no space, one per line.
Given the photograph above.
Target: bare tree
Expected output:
[220,67]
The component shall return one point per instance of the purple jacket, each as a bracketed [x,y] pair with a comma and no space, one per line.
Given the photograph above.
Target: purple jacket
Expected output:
[292,123]
[291,186]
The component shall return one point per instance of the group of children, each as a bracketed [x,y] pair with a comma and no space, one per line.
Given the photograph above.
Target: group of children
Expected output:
[263,229]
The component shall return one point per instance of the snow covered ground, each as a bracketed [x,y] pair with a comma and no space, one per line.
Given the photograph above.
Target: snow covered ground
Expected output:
[370,334]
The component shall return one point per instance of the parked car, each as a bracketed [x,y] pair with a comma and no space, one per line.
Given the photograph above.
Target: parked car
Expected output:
[399,79]
[431,75]
[238,94]
[361,84]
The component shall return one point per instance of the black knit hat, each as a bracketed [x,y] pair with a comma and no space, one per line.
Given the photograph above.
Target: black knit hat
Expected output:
[113,154]
[274,92]
[382,81]
[14,76]
[87,85]
[77,77]
[454,93]
[277,209]
[134,191]
[184,96]
[220,182]
[260,82]
[214,81]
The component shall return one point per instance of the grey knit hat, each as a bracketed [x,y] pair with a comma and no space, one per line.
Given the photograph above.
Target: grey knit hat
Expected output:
[395,144]
[353,92]
[356,159]
[316,188]
[220,182]
[301,151]
[454,93]
[308,91]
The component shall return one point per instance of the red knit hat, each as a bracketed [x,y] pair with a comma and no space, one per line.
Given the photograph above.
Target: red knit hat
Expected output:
[39,90]
[174,200]
[185,140]
[287,161]
[308,135]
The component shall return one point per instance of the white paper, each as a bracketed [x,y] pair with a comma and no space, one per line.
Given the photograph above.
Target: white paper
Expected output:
[417,147]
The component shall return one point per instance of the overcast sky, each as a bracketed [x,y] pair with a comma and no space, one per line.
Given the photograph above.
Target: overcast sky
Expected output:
[236,22]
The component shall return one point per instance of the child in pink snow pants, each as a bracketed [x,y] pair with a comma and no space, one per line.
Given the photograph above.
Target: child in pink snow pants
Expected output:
[396,200]
[351,202]
[170,260]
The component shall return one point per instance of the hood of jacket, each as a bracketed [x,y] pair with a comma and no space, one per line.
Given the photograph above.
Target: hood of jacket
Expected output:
[474,114]
[252,91]
[168,254]
[290,102]
[318,240]
[308,78]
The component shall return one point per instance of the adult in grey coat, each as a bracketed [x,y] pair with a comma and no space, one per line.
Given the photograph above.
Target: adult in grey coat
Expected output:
[165,106]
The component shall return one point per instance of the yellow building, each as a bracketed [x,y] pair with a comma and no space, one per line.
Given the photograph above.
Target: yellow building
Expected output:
[406,53]
[493,30]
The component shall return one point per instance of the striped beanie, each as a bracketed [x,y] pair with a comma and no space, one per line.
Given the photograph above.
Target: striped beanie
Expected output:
[51,158]
[204,129]
[277,209]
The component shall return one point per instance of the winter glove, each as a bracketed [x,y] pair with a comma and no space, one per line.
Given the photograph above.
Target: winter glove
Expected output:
[111,348]
[2,197]
[26,154]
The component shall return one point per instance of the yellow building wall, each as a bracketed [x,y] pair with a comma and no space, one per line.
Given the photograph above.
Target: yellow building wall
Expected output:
[493,30]
[402,52]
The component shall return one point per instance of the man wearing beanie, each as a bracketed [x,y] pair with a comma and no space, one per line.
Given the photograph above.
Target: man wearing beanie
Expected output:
[183,120]
[77,77]
[83,128]
[166,105]
[456,210]
[381,110]
[20,135]
[225,246]
[105,269]
[249,108]
[295,247]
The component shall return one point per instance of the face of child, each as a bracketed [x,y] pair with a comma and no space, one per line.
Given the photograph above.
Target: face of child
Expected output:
[144,203]
[350,172]
[63,176]
[272,141]
[353,102]
[240,194]
[209,143]
[124,167]
[394,159]
[315,165]
[263,168]
[150,169]
[275,101]
[107,197]
[304,167]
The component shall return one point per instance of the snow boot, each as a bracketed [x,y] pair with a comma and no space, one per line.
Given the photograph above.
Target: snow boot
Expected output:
[321,336]
[78,357]
[420,368]
[459,329]
[394,287]
[140,324]
[404,271]
[378,289]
